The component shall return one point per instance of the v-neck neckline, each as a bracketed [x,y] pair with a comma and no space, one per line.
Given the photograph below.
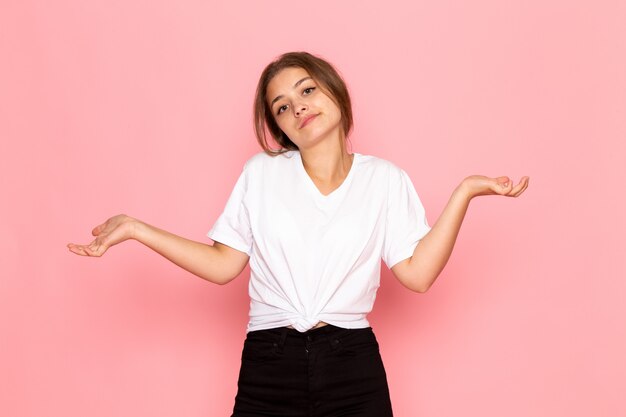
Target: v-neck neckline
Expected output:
[337,191]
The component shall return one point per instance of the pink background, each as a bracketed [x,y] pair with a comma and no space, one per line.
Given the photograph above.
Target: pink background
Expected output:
[144,107]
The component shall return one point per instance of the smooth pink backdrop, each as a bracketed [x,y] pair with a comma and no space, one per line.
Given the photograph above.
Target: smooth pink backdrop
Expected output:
[144,107]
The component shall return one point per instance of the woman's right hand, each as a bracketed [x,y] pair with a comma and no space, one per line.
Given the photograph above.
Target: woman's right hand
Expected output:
[217,263]
[115,230]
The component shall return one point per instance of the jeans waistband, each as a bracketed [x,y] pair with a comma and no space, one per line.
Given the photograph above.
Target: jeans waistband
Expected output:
[282,336]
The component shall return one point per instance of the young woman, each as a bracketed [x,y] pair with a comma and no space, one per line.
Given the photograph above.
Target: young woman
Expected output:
[314,221]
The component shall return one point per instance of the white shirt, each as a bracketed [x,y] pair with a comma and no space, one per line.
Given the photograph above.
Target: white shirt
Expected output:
[313,257]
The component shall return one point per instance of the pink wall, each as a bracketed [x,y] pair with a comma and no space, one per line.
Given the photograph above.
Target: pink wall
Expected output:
[144,107]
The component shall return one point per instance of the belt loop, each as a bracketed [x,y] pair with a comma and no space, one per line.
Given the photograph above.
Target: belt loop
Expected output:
[281,343]
[331,337]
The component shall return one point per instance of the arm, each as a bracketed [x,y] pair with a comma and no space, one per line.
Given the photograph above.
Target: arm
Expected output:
[432,253]
[217,263]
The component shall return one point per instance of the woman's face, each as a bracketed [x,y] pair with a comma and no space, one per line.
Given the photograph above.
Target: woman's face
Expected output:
[302,110]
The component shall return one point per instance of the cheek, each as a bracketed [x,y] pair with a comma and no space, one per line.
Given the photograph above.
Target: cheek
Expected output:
[332,106]
[336,111]
[280,122]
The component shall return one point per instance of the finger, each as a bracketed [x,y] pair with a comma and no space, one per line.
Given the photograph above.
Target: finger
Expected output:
[521,187]
[522,190]
[516,190]
[96,248]
[92,249]
[77,249]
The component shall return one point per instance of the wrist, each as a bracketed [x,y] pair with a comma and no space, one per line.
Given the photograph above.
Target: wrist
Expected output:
[464,190]
[135,228]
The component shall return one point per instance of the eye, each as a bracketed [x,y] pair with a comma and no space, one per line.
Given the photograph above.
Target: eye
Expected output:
[282,108]
[308,91]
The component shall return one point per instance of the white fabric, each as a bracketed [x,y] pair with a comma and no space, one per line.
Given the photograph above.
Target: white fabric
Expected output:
[313,257]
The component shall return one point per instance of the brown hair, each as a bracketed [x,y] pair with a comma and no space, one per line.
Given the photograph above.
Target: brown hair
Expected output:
[322,72]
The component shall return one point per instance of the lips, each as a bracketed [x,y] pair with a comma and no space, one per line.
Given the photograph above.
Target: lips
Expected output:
[307,120]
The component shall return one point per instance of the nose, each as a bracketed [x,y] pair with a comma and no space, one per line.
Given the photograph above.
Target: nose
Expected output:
[299,109]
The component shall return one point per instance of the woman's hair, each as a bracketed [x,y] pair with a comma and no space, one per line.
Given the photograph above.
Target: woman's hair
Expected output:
[324,74]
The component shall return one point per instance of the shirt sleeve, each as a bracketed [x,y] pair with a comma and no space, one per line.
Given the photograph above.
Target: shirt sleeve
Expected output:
[232,228]
[406,222]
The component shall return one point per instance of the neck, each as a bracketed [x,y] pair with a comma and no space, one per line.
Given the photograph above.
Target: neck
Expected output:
[329,162]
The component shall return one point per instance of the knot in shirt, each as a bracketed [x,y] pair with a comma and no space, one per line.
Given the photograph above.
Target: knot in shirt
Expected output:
[303,324]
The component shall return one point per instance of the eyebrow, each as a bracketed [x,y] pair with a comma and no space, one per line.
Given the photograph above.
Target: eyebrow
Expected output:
[294,86]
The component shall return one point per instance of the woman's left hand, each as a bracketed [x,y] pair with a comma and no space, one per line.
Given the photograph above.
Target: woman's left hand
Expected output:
[477,185]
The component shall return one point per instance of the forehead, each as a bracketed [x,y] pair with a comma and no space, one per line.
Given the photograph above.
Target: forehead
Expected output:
[284,81]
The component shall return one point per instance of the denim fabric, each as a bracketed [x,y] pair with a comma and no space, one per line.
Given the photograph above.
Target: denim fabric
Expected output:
[324,372]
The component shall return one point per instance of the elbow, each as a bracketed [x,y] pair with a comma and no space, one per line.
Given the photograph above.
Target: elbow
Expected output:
[225,280]
[416,281]
[422,283]
[416,285]
[222,279]
[420,287]
[219,278]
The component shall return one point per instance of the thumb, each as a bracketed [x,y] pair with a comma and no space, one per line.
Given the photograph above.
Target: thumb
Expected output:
[503,185]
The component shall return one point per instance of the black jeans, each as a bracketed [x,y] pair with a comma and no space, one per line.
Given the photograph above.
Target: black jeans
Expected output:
[324,372]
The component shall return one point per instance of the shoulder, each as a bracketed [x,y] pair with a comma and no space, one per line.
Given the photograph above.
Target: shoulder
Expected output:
[262,160]
[256,161]
[386,175]
[262,168]
[380,166]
